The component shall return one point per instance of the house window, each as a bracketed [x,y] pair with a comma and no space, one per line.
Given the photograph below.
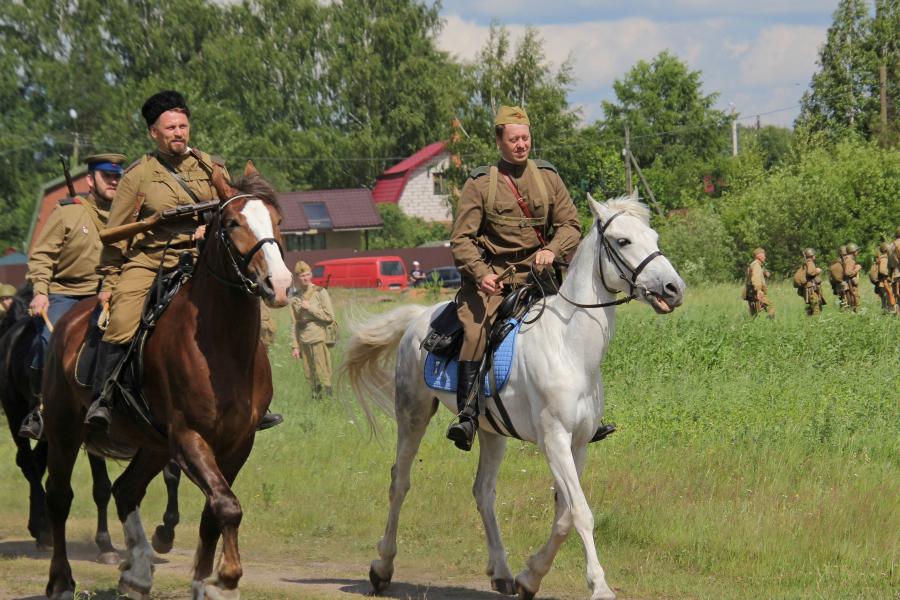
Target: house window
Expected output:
[304,241]
[440,184]
[317,215]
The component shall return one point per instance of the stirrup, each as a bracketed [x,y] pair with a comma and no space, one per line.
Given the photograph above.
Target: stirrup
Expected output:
[99,416]
[603,431]
[462,433]
[32,427]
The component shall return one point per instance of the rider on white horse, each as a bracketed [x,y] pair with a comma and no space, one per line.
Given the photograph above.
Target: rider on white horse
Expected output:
[512,214]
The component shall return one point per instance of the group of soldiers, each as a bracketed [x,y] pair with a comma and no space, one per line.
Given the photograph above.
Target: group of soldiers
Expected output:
[844,277]
[69,263]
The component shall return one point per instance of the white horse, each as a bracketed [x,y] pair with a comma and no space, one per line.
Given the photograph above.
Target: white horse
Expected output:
[554,395]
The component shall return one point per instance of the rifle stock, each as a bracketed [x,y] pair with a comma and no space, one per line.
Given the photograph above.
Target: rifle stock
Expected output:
[111,235]
[69,183]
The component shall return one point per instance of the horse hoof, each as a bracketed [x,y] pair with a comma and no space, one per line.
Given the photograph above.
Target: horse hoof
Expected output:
[212,591]
[524,594]
[379,584]
[132,593]
[162,543]
[42,547]
[108,558]
[507,587]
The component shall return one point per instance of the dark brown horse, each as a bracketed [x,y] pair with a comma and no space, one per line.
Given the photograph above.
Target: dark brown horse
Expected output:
[17,332]
[206,376]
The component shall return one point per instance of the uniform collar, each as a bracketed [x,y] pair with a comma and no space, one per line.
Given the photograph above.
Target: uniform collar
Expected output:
[511,169]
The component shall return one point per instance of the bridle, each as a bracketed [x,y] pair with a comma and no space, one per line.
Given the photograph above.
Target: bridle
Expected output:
[239,261]
[626,273]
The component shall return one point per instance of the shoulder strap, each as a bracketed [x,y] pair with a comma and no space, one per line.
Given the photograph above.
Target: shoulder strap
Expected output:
[492,190]
[70,201]
[179,180]
[542,189]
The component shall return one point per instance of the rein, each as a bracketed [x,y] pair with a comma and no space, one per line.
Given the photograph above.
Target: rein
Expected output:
[239,261]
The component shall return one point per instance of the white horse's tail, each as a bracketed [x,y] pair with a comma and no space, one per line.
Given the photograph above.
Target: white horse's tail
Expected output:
[370,354]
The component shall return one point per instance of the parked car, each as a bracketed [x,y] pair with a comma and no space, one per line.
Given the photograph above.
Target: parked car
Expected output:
[449,277]
[379,272]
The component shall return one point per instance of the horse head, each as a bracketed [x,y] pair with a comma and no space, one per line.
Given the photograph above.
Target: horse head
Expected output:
[247,225]
[629,259]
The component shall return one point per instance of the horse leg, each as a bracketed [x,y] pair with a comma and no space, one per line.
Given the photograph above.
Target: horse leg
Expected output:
[102,492]
[491,450]
[33,463]
[412,420]
[571,509]
[164,536]
[62,452]
[129,489]
[222,514]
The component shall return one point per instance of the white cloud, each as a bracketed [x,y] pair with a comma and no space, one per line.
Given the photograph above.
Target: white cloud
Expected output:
[782,54]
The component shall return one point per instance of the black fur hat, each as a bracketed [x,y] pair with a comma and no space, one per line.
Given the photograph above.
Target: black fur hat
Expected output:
[162,101]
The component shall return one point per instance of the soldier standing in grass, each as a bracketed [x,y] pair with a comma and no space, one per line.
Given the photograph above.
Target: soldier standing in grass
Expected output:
[836,275]
[267,327]
[894,266]
[851,271]
[808,279]
[62,266]
[311,316]
[881,277]
[756,286]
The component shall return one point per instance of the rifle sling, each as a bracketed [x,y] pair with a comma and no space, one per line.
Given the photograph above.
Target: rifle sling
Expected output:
[179,180]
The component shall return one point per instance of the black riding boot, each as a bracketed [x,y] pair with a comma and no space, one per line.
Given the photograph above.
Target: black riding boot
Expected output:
[33,424]
[604,430]
[269,420]
[99,415]
[463,433]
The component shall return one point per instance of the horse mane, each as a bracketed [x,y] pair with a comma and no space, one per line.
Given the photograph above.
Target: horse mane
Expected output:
[629,205]
[257,186]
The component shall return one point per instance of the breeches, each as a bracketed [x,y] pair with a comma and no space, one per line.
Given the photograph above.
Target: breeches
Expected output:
[316,363]
[476,312]
[127,302]
[59,305]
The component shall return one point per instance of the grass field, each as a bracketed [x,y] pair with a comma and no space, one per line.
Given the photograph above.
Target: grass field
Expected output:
[754,459]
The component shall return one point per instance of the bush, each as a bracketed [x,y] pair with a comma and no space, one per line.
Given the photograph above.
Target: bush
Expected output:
[402,231]
[698,245]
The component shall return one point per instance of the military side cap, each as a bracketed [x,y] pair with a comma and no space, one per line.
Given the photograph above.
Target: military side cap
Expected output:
[109,163]
[7,291]
[809,253]
[511,115]
[161,102]
[301,267]
[759,251]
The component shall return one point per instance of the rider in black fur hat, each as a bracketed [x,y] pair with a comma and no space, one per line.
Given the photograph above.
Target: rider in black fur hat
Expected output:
[162,101]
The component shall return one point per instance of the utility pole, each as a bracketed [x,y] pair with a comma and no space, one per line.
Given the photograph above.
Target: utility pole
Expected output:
[626,156]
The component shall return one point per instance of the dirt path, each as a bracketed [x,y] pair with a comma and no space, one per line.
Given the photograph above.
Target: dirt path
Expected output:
[23,572]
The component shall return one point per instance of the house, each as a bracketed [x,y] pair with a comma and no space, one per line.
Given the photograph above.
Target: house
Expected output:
[328,219]
[417,185]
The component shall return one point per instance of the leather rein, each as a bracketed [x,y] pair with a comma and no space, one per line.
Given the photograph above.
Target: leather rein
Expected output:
[239,261]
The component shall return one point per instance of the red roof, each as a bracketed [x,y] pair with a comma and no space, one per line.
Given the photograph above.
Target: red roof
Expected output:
[391,183]
[347,209]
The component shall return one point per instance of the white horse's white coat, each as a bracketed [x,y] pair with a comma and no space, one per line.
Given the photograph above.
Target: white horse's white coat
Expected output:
[554,395]
[260,222]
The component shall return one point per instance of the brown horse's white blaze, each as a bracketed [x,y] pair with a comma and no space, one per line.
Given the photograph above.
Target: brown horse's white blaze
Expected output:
[278,278]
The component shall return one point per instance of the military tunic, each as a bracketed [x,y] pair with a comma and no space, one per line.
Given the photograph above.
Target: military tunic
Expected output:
[812,289]
[129,267]
[851,281]
[485,240]
[267,327]
[308,332]
[757,288]
[894,265]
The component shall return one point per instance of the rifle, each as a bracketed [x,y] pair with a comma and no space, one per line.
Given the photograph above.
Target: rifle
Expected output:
[69,183]
[111,235]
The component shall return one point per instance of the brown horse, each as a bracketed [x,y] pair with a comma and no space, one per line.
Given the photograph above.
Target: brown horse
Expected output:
[206,377]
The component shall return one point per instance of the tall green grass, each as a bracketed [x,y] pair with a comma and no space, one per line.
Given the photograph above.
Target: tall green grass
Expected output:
[754,459]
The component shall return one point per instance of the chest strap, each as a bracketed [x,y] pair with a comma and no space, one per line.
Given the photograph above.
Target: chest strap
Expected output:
[526,220]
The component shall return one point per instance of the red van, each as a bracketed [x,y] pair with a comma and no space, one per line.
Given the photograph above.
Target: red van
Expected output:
[380,272]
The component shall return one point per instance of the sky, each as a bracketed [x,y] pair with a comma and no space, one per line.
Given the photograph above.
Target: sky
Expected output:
[758,55]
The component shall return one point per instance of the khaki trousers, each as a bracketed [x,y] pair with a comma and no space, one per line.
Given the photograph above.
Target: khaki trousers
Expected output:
[316,364]
[127,302]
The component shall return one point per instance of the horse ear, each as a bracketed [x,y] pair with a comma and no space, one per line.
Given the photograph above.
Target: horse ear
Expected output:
[220,182]
[597,209]
[250,169]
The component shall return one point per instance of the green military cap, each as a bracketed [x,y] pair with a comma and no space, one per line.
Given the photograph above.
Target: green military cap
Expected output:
[809,253]
[301,267]
[842,250]
[7,291]
[109,163]
[851,248]
[885,247]
[511,115]
[759,251]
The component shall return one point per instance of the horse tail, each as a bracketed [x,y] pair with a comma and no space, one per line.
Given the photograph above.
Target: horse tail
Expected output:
[369,354]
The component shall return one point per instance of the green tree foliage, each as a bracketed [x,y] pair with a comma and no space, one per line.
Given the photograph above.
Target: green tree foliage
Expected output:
[401,231]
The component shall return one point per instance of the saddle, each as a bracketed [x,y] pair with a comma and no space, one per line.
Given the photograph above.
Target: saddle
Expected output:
[125,382]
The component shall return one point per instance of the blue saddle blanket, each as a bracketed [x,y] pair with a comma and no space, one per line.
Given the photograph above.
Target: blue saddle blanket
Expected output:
[441,371]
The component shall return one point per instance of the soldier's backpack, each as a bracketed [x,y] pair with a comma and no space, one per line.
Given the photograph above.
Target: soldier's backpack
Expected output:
[837,271]
[873,271]
[800,277]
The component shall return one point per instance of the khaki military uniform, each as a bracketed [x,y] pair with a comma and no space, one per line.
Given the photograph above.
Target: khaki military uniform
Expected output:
[64,258]
[883,288]
[129,268]
[850,286]
[757,288]
[812,289]
[894,265]
[487,239]
[308,331]
[267,327]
